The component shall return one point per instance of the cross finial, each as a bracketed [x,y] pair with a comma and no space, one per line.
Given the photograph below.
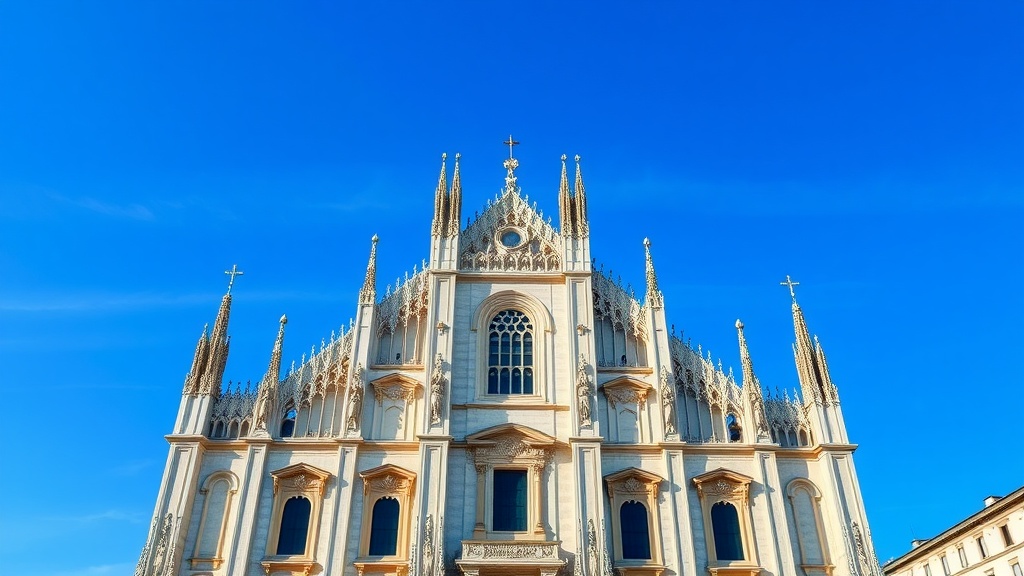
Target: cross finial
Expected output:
[233,272]
[789,282]
[510,142]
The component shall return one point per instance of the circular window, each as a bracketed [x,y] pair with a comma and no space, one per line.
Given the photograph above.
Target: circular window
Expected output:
[511,239]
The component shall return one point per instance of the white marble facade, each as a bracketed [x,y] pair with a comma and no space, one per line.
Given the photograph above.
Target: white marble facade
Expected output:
[508,409]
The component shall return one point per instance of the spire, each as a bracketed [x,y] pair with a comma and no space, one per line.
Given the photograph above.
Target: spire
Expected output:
[455,201]
[580,201]
[752,387]
[267,393]
[654,297]
[808,366]
[217,358]
[565,204]
[441,200]
[368,293]
[274,369]
[198,363]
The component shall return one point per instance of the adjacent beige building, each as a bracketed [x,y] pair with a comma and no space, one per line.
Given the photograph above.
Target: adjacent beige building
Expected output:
[508,409]
[990,542]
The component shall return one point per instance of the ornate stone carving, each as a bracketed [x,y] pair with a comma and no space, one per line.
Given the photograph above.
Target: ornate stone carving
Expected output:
[405,303]
[538,248]
[615,304]
[510,550]
[626,391]
[584,391]
[437,388]
[668,402]
[592,550]
[157,557]
[355,400]
[428,546]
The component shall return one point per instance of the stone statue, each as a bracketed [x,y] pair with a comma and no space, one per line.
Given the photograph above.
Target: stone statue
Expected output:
[583,391]
[437,390]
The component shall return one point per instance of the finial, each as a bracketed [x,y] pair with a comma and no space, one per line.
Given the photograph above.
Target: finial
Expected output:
[563,157]
[739,325]
[444,156]
[510,143]
[577,158]
[368,293]
[284,319]
[233,272]
[457,156]
[789,282]
[654,295]
[510,164]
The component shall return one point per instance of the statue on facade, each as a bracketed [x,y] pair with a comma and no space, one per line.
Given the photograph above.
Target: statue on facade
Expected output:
[261,410]
[355,400]
[437,384]
[668,403]
[583,393]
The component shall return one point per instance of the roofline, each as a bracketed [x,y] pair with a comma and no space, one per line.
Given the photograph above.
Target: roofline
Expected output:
[930,546]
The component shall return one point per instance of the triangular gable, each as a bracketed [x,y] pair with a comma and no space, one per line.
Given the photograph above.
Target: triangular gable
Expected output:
[510,236]
[528,435]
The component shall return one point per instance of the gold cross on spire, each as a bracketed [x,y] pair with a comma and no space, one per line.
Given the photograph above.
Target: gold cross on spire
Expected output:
[233,272]
[510,142]
[789,282]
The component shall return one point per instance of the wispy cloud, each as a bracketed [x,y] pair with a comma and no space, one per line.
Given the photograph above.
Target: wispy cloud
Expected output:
[133,211]
[114,302]
[132,467]
[124,568]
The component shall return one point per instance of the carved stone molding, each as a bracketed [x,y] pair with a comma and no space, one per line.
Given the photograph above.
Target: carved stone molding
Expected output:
[626,390]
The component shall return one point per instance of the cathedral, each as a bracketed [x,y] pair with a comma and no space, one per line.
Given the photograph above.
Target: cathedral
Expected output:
[508,409]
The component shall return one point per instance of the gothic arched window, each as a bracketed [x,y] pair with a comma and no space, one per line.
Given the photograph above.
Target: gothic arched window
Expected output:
[726,524]
[384,528]
[288,424]
[636,539]
[294,527]
[510,354]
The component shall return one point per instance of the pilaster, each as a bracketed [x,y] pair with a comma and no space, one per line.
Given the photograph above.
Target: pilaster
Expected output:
[777,555]
[247,514]
[680,553]
[592,553]
[338,556]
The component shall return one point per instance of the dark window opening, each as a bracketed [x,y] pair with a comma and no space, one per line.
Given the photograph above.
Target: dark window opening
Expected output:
[384,528]
[509,497]
[726,524]
[294,527]
[636,540]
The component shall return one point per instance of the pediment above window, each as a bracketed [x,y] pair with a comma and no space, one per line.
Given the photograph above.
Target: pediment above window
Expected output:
[388,479]
[626,390]
[633,481]
[723,483]
[301,477]
[511,443]
[395,387]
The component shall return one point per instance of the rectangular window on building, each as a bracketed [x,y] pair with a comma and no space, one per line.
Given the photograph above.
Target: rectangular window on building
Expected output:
[1005,531]
[509,512]
[1016,569]
[945,565]
[927,570]
[963,556]
[981,546]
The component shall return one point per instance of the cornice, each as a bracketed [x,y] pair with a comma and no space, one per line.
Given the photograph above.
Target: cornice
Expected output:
[509,406]
[521,278]
[980,518]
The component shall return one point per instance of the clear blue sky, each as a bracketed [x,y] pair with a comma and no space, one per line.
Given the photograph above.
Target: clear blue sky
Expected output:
[871,150]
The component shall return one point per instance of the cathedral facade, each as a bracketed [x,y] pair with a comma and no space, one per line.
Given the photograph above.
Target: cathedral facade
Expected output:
[508,409]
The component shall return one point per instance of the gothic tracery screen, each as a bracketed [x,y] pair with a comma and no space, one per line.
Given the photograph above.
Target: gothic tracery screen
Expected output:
[510,354]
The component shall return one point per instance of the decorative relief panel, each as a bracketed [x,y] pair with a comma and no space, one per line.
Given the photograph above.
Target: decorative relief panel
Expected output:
[510,236]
